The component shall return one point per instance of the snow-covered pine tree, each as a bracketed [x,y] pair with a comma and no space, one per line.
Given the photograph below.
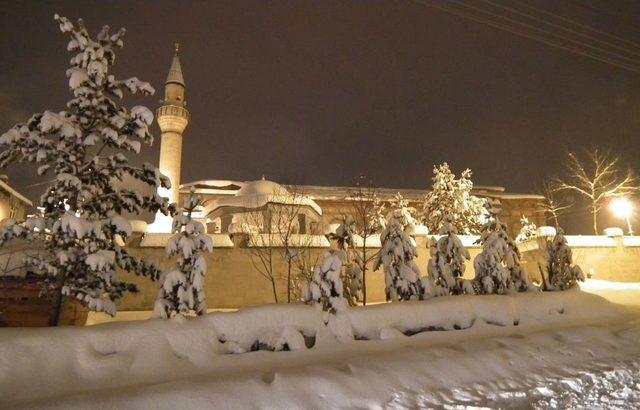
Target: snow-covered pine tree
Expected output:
[399,207]
[326,288]
[401,273]
[561,272]
[452,197]
[351,274]
[497,267]
[84,148]
[447,264]
[182,287]
[529,230]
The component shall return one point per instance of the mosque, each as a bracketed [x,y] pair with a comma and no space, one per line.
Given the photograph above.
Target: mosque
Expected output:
[228,205]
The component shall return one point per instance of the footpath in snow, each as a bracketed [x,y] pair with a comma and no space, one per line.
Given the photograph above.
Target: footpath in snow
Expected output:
[548,349]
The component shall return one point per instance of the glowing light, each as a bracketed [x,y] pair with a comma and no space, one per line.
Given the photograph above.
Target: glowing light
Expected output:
[623,208]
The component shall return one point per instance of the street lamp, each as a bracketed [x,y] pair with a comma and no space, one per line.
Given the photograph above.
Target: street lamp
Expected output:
[622,208]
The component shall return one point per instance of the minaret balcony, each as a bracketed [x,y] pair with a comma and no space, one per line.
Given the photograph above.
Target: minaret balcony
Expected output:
[172,118]
[173,110]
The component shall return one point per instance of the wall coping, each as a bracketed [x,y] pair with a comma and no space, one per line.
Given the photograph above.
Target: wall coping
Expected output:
[159,240]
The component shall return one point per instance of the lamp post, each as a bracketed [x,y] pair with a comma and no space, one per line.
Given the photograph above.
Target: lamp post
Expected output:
[622,208]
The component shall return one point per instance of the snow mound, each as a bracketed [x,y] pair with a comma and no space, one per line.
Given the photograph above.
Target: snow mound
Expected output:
[38,364]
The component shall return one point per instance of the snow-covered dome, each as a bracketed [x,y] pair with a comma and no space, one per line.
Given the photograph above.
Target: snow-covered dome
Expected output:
[262,187]
[256,194]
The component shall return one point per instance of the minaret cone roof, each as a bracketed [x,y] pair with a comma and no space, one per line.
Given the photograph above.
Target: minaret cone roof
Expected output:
[175,72]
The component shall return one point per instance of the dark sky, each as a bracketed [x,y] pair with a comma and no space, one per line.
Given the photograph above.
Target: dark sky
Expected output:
[317,92]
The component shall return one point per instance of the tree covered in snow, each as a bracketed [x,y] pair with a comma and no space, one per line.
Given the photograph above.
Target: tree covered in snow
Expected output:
[182,287]
[351,274]
[447,263]
[497,267]
[452,197]
[85,148]
[399,208]
[401,273]
[326,289]
[561,272]
[529,230]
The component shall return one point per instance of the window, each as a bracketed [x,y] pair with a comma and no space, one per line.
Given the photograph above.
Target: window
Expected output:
[302,223]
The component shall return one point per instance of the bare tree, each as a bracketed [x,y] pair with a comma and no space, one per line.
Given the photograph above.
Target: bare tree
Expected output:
[285,222]
[597,177]
[368,214]
[553,204]
[278,229]
[260,248]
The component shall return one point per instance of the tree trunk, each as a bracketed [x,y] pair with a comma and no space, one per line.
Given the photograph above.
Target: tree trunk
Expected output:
[58,302]
[364,272]
[289,281]
[595,218]
[275,292]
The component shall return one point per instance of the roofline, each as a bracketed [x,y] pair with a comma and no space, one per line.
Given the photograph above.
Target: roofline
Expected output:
[15,193]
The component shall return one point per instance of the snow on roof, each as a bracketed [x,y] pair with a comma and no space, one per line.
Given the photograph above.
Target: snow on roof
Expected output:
[15,193]
[256,194]
[328,193]
[213,186]
[159,240]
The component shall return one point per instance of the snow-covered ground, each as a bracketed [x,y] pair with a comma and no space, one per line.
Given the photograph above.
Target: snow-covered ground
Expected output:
[559,349]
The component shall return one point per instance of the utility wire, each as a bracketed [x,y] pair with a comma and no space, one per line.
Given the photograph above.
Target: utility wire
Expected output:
[520,32]
[581,34]
[544,30]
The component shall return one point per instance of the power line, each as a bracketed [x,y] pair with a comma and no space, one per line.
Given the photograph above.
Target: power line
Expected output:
[520,32]
[562,27]
[544,30]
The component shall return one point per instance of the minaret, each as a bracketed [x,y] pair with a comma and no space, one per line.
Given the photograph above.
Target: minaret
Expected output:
[173,118]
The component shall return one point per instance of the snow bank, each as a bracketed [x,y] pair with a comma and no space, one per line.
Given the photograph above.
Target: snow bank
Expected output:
[37,364]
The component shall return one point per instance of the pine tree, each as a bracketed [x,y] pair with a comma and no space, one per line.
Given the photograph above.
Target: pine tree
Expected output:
[401,273]
[85,147]
[326,288]
[351,274]
[399,207]
[561,272]
[529,230]
[447,264]
[497,267]
[182,287]
[452,197]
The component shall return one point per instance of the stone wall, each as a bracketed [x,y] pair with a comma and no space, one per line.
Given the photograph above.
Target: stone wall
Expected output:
[601,257]
[232,280]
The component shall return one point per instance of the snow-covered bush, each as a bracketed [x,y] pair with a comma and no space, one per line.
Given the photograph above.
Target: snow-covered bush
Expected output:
[326,288]
[447,264]
[561,272]
[401,273]
[182,287]
[85,149]
[528,231]
[451,197]
[497,267]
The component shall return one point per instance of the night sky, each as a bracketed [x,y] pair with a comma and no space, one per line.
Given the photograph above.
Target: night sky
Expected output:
[317,92]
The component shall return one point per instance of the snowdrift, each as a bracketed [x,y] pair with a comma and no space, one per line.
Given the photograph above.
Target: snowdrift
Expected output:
[41,363]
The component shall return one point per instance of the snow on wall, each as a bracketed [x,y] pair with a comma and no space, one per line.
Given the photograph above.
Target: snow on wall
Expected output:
[590,241]
[259,240]
[468,241]
[159,240]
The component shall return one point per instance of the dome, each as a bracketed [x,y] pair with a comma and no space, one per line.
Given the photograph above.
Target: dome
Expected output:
[262,187]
